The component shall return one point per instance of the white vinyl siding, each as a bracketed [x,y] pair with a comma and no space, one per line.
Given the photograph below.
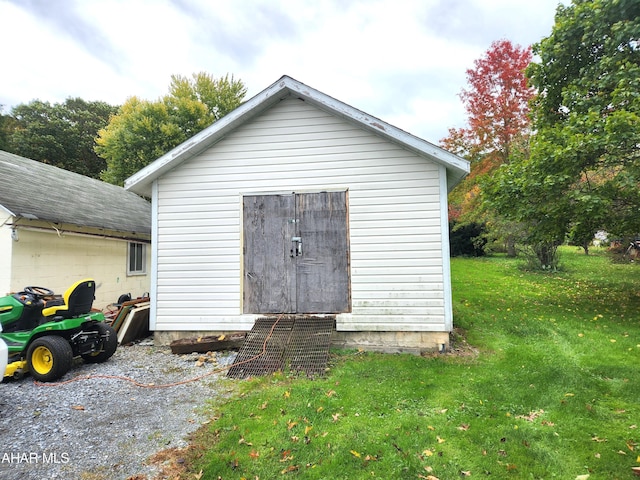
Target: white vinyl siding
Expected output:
[395,221]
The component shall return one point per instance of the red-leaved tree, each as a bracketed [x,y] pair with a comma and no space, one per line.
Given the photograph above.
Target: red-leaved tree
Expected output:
[497,105]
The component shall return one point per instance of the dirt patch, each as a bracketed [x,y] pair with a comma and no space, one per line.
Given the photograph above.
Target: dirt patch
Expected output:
[170,463]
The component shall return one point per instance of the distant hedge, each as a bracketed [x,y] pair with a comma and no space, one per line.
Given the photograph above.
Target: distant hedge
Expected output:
[467,239]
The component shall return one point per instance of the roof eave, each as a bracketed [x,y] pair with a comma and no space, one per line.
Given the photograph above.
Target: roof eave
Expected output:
[140,182]
[7,211]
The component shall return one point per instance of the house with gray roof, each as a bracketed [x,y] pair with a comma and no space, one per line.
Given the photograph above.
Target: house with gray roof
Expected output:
[57,227]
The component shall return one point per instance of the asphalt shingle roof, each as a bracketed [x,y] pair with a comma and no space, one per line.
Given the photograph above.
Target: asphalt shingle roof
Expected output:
[34,189]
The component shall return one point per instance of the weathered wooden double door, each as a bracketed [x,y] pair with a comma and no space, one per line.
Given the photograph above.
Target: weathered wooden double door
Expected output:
[296,253]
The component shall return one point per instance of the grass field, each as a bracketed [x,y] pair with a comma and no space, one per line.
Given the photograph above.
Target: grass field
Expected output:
[547,387]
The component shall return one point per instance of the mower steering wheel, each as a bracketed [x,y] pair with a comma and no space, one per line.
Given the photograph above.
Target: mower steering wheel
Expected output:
[39,291]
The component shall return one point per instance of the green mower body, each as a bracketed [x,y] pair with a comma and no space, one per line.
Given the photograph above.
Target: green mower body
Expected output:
[44,332]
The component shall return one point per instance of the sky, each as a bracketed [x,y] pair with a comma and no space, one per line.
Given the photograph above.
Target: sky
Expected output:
[402,61]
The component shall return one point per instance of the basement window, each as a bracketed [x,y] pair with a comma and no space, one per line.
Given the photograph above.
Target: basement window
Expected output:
[137,264]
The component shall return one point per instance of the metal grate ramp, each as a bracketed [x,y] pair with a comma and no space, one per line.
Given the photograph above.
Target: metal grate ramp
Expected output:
[297,343]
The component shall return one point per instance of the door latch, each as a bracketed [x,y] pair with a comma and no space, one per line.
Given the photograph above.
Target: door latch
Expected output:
[296,249]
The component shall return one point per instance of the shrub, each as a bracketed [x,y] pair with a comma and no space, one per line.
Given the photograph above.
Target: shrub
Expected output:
[467,239]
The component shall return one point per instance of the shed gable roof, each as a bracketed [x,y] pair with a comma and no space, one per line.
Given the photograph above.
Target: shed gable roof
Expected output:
[457,168]
[35,190]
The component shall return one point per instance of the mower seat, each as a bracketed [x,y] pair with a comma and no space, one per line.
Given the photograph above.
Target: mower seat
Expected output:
[78,300]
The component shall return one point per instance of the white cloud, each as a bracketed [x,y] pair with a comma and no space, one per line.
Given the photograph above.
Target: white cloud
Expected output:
[403,60]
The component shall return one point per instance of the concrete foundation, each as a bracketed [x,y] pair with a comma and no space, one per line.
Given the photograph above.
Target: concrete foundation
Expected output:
[387,342]
[393,342]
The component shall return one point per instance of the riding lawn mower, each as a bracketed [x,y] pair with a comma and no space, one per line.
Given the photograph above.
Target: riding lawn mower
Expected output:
[44,332]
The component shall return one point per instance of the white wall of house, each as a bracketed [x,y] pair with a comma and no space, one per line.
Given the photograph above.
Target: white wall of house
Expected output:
[397,222]
[6,247]
[46,259]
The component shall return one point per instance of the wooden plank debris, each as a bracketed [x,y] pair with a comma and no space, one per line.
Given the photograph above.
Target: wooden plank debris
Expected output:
[205,344]
[135,324]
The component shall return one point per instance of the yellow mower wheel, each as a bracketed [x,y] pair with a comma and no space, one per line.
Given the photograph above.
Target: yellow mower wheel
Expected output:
[42,360]
[49,358]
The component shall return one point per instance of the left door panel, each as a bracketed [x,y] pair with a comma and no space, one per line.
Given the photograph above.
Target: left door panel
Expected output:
[269,274]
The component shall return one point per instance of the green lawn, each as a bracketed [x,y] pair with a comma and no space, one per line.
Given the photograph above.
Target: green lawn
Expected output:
[550,390]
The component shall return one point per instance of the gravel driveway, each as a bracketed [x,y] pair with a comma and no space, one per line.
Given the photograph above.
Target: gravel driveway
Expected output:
[106,428]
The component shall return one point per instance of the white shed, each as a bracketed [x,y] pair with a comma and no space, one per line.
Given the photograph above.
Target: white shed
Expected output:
[298,203]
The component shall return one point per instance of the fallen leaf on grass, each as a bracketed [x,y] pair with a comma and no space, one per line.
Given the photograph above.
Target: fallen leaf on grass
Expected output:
[254,454]
[465,473]
[286,459]
[532,415]
[636,471]
[464,427]
[598,439]
[427,453]
[307,429]
[289,469]
[335,417]
[291,424]
[354,453]
[198,476]
[582,477]
[440,440]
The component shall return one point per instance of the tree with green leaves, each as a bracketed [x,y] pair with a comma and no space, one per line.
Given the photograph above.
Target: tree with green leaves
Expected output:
[59,134]
[143,131]
[583,173]
[7,126]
